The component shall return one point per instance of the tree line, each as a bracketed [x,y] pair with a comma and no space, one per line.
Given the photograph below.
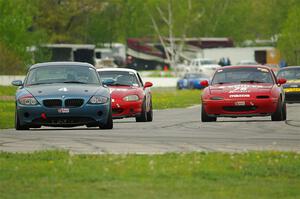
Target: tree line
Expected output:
[25,23]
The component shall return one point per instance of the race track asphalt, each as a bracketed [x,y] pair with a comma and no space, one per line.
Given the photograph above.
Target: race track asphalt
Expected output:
[174,130]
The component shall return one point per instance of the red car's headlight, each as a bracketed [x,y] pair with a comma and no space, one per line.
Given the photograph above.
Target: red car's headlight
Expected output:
[130,98]
[28,100]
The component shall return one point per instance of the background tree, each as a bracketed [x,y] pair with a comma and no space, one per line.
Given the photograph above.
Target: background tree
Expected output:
[289,39]
[16,35]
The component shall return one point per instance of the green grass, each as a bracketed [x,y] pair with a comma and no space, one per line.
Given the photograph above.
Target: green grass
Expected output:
[7,114]
[164,98]
[54,174]
[8,90]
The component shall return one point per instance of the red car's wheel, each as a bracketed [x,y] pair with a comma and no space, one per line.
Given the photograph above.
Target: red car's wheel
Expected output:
[143,116]
[279,113]
[150,113]
[205,117]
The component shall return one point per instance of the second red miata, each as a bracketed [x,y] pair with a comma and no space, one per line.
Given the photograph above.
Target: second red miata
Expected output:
[130,96]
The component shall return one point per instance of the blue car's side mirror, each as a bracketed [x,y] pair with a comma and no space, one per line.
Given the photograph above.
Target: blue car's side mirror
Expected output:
[17,83]
[108,82]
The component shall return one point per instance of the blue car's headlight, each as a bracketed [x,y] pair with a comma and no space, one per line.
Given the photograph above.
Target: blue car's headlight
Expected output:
[98,100]
[28,100]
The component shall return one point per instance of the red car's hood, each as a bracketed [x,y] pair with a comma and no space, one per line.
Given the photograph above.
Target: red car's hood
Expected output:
[226,90]
[122,91]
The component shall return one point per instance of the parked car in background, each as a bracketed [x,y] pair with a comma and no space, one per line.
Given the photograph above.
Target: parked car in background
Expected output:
[130,96]
[204,65]
[192,81]
[292,87]
[243,91]
[62,94]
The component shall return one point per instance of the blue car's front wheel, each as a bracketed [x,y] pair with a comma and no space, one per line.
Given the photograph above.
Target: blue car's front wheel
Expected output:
[109,123]
[18,125]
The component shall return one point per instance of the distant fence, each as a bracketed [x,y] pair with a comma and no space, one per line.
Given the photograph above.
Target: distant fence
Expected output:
[6,80]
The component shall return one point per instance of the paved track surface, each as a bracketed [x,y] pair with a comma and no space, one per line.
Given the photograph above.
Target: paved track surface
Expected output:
[176,130]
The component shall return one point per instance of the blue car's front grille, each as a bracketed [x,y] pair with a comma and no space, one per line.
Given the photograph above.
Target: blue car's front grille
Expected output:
[73,102]
[52,103]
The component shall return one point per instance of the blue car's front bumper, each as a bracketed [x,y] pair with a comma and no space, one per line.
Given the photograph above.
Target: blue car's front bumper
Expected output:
[87,114]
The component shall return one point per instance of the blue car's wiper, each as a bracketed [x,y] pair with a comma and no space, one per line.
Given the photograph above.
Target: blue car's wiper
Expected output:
[39,83]
[75,82]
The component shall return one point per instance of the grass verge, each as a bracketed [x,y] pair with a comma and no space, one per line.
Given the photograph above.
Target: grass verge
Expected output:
[7,114]
[164,98]
[8,90]
[54,174]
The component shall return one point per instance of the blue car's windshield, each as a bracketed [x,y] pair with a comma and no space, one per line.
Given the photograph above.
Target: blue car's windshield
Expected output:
[62,74]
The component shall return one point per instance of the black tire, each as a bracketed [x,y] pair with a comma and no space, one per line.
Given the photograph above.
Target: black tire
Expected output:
[278,115]
[143,116]
[109,123]
[18,126]
[150,113]
[205,117]
[284,111]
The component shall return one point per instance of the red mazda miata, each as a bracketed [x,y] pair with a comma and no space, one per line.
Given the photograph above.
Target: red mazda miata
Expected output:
[130,96]
[243,91]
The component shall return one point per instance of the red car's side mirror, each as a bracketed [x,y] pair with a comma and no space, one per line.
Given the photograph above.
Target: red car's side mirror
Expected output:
[148,84]
[281,81]
[204,83]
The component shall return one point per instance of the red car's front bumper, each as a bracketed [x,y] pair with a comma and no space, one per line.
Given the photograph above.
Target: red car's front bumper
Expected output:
[122,109]
[240,107]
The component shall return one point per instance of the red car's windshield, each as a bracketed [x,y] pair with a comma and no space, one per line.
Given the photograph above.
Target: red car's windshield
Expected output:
[243,75]
[121,78]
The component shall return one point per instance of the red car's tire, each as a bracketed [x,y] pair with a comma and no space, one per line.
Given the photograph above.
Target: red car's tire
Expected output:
[150,113]
[278,115]
[284,111]
[205,117]
[143,116]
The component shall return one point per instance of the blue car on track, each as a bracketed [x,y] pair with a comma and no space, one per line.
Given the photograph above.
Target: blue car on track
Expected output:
[192,81]
[62,94]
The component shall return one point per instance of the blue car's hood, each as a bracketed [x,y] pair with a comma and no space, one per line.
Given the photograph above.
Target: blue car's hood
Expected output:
[63,89]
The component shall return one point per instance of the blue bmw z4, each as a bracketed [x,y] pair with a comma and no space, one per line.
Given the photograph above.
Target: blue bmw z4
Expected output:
[62,94]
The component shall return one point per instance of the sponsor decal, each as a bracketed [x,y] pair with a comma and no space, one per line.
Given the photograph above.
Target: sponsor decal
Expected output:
[239,95]
[242,88]
[263,70]
[64,89]
[117,89]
